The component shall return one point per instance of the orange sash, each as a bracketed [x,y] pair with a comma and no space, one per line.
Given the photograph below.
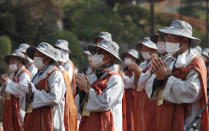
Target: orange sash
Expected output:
[74,82]
[70,115]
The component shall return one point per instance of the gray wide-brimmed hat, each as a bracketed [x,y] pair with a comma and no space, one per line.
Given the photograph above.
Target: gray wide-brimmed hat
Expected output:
[44,48]
[18,54]
[205,52]
[132,52]
[23,47]
[58,56]
[109,46]
[148,43]
[104,36]
[62,44]
[181,28]
[87,52]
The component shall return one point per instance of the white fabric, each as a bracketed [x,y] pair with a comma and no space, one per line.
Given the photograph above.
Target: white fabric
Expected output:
[111,99]
[33,70]
[144,77]
[13,88]
[55,98]
[129,81]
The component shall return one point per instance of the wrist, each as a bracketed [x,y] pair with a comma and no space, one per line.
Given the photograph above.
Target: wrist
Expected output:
[166,77]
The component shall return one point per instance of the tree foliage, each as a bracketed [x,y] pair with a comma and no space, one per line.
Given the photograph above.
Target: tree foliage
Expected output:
[5,49]
[28,20]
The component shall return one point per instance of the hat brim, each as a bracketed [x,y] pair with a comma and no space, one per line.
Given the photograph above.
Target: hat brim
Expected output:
[126,53]
[31,50]
[92,49]
[60,47]
[6,59]
[138,46]
[169,30]
[87,53]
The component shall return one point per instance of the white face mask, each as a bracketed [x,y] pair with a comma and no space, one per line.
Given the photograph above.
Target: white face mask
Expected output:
[127,61]
[13,67]
[161,47]
[172,47]
[38,62]
[97,60]
[146,55]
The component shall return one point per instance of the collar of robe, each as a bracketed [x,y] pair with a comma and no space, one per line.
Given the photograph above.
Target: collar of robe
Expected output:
[99,72]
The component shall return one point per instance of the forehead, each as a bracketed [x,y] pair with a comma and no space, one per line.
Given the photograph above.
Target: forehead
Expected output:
[13,58]
[173,36]
[38,53]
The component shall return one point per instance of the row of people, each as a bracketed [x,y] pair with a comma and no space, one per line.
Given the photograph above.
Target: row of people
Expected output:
[164,92]
[39,92]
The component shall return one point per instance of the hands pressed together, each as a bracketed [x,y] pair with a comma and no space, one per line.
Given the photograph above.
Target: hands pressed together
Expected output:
[160,68]
[83,82]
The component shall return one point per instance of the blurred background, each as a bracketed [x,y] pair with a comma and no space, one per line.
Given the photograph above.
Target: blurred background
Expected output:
[79,21]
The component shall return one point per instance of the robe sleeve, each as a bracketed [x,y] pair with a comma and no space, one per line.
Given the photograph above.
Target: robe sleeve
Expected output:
[112,94]
[33,70]
[13,87]
[183,91]
[57,91]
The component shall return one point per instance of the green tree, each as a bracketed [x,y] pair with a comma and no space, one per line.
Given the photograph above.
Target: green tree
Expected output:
[87,18]
[5,49]
[28,20]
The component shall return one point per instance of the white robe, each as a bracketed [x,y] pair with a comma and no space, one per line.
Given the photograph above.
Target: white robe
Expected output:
[111,99]
[129,81]
[185,91]
[55,98]
[144,76]
[13,88]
